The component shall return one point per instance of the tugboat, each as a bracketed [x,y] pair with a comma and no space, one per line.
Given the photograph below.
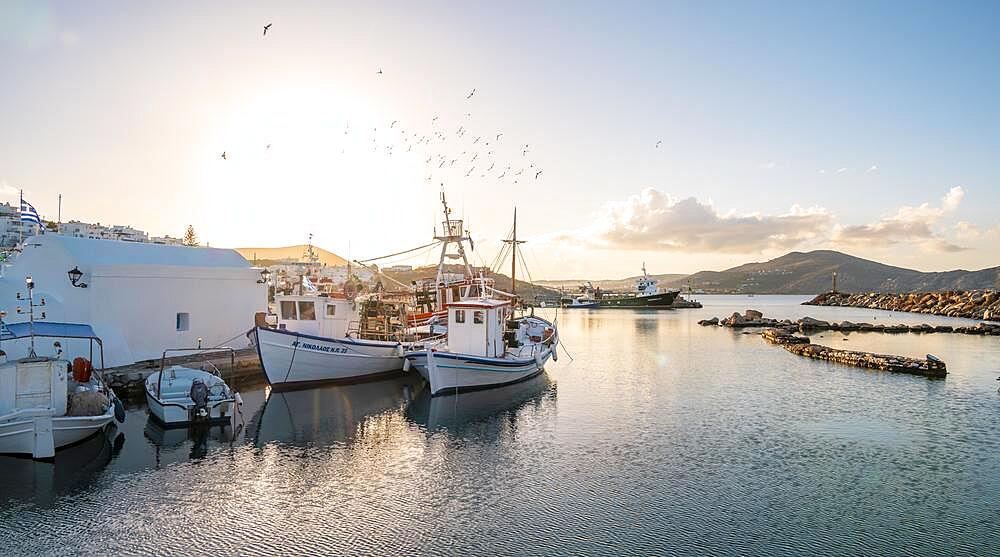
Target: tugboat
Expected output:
[646,295]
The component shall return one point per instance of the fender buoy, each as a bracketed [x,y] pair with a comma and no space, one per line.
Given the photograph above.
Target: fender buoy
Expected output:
[119,410]
[555,354]
[82,370]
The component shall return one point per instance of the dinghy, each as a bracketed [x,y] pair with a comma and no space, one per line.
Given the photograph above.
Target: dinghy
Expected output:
[181,396]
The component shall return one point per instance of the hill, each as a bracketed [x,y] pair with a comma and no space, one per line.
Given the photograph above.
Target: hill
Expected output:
[293,253]
[811,272]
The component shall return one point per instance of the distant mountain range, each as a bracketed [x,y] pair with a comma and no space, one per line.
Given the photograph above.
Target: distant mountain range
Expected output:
[792,273]
[812,273]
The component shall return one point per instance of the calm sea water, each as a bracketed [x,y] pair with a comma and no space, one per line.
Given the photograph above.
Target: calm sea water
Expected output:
[659,436]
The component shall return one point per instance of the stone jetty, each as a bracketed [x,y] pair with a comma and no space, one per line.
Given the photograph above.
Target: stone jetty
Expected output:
[931,367]
[127,381]
[972,304]
[753,318]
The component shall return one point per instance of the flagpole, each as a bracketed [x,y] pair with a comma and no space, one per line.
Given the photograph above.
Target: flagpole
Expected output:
[59,217]
[20,229]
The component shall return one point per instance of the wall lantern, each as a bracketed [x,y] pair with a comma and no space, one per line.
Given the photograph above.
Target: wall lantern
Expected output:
[265,275]
[75,274]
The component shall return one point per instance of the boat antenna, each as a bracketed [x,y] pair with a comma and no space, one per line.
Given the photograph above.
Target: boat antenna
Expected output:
[30,284]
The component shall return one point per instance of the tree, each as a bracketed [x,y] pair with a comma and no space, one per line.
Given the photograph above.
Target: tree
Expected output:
[190,238]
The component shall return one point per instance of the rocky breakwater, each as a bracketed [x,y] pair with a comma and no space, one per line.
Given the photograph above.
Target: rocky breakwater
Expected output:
[930,367]
[971,304]
[753,318]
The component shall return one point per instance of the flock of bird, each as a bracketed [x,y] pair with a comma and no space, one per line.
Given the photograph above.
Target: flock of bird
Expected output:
[446,149]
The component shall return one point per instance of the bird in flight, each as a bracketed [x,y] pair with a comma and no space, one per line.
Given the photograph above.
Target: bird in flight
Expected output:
[223,155]
[393,124]
[658,144]
[473,92]
[499,135]
[266,27]
[268,146]
[537,174]
[379,72]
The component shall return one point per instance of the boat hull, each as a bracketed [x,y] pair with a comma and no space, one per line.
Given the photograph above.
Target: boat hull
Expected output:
[27,432]
[175,414]
[295,360]
[663,300]
[448,373]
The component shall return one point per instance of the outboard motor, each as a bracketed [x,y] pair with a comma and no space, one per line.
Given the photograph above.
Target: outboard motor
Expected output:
[199,395]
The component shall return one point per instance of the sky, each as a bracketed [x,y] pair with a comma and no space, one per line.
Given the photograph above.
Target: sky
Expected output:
[686,136]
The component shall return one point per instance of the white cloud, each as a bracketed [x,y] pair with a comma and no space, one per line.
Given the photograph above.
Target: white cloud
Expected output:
[654,220]
[871,169]
[908,224]
[841,170]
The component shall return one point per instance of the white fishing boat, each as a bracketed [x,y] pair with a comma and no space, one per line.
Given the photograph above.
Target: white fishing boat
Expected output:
[323,337]
[486,344]
[314,343]
[180,396]
[47,403]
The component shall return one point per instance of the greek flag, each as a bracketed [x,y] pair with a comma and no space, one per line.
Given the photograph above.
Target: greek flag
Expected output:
[29,214]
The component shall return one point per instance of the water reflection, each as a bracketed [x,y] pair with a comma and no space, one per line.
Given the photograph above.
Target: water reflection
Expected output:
[74,469]
[172,440]
[328,415]
[455,414]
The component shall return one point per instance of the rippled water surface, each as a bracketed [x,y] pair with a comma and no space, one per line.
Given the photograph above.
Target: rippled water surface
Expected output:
[658,436]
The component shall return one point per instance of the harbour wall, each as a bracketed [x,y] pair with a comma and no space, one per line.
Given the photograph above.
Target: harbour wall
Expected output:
[972,304]
[795,344]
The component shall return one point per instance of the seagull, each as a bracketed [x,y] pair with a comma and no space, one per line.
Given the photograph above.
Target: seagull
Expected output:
[658,144]
[393,124]
[379,72]
[476,140]
[223,155]
[537,174]
[266,27]
[268,146]
[499,135]
[473,92]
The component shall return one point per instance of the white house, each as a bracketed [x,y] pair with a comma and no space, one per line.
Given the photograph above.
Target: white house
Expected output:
[140,298]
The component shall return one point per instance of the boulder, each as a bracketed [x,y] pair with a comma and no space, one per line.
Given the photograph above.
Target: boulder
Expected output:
[810,323]
[752,315]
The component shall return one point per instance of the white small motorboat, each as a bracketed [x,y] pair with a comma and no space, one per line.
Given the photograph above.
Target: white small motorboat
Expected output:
[485,347]
[47,403]
[181,396]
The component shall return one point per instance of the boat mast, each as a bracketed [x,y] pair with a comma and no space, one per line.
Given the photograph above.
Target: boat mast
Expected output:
[513,255]
[453,233]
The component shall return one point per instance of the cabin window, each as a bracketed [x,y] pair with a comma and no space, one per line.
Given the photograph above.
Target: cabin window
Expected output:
[183,321]
[456,293]
[288,311]
[307,311]
[459,316]
[478,317]
[331,310]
